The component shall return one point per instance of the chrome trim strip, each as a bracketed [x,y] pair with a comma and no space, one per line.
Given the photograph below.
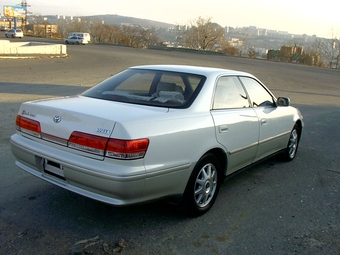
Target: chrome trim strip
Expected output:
[243,148]
[258,143]
[274,137]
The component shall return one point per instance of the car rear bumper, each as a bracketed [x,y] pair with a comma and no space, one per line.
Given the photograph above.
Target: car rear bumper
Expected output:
[103,181]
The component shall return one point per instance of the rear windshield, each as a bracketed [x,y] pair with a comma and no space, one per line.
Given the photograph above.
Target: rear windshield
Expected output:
[149,87]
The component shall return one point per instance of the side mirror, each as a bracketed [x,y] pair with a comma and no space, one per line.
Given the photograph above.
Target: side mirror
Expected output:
[283,101]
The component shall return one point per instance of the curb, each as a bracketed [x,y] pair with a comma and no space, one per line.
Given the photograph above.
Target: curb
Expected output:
[38,56]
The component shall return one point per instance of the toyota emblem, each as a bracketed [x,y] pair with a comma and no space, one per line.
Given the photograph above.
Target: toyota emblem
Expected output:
[56,118]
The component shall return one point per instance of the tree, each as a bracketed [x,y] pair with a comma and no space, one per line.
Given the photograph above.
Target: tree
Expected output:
[252,53]
[138,37]
[228,49]
[102,33]
[80,25]
[149,37]
[286,53]
[62,27]
[291,53]
[38,26]
[328,51]
[312,56]
[204,35]
[331,49]
[245,46]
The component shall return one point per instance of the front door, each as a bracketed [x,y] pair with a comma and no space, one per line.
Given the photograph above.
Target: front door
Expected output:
[274,131]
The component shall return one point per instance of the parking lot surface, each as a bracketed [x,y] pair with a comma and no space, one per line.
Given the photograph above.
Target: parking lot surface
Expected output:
[271,208]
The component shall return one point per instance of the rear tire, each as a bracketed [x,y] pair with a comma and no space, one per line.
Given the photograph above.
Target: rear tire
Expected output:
[293,144]
[203,186]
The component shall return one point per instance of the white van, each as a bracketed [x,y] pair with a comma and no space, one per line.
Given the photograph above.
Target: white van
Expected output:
[86,36]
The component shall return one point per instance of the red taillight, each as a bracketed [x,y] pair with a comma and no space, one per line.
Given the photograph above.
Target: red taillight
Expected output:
[113,148]
[86,142]
[28,126]
[127,149]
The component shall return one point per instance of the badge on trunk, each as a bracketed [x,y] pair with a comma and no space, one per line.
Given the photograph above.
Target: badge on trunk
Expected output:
[56,118]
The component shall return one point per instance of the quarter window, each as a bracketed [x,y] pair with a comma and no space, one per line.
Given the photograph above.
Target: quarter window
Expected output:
[229,94]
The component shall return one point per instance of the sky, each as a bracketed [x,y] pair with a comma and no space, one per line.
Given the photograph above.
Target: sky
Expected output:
[320,18]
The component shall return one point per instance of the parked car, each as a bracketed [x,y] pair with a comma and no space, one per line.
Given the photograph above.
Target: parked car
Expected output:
[84,35]
[76,40]
[158,131]
[14,33]
[3,28]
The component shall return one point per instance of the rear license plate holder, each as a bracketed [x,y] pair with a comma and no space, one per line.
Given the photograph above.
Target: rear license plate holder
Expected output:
[53,168]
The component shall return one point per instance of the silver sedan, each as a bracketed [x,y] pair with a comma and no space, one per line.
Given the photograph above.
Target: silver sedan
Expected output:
[152,132]
[76,40]
[14,33]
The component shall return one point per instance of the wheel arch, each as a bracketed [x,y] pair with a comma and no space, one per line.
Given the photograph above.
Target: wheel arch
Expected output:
[202,189]
[299,124]
[221,157]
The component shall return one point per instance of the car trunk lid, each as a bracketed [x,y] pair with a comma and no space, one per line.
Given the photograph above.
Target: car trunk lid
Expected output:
[61,118]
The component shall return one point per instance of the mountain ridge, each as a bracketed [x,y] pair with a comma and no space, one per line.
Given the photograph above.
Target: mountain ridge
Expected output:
[114,19]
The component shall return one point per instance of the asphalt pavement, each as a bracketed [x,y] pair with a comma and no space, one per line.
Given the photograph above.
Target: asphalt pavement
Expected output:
[272,208]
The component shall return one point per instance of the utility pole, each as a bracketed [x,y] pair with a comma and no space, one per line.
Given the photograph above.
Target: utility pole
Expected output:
[24,19]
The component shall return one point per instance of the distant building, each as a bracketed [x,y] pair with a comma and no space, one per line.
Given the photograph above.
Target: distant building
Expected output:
[236,42]
[287,54]
[44,30]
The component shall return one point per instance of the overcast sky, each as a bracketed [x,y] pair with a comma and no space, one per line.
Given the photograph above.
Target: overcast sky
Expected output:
[319,18]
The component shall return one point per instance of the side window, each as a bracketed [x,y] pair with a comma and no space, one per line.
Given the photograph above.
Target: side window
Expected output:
[259,96]
[229,94]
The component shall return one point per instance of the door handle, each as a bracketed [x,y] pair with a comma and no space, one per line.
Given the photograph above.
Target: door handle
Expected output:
[223,128]
[263,121]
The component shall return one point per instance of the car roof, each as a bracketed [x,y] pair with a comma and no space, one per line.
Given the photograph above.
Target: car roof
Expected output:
[206,71]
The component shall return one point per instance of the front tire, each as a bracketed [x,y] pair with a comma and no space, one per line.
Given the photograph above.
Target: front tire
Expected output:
[293,144]
[203,186]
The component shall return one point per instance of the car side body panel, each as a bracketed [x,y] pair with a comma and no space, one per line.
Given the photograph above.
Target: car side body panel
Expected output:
[238,131]
[276,124]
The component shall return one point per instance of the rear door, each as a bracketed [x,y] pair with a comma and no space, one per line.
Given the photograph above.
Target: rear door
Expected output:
[236,123]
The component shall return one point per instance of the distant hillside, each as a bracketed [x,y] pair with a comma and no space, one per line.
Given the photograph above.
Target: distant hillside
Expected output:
[112,19]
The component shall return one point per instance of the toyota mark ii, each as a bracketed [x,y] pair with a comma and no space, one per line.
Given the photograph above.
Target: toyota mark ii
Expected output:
[157,131]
